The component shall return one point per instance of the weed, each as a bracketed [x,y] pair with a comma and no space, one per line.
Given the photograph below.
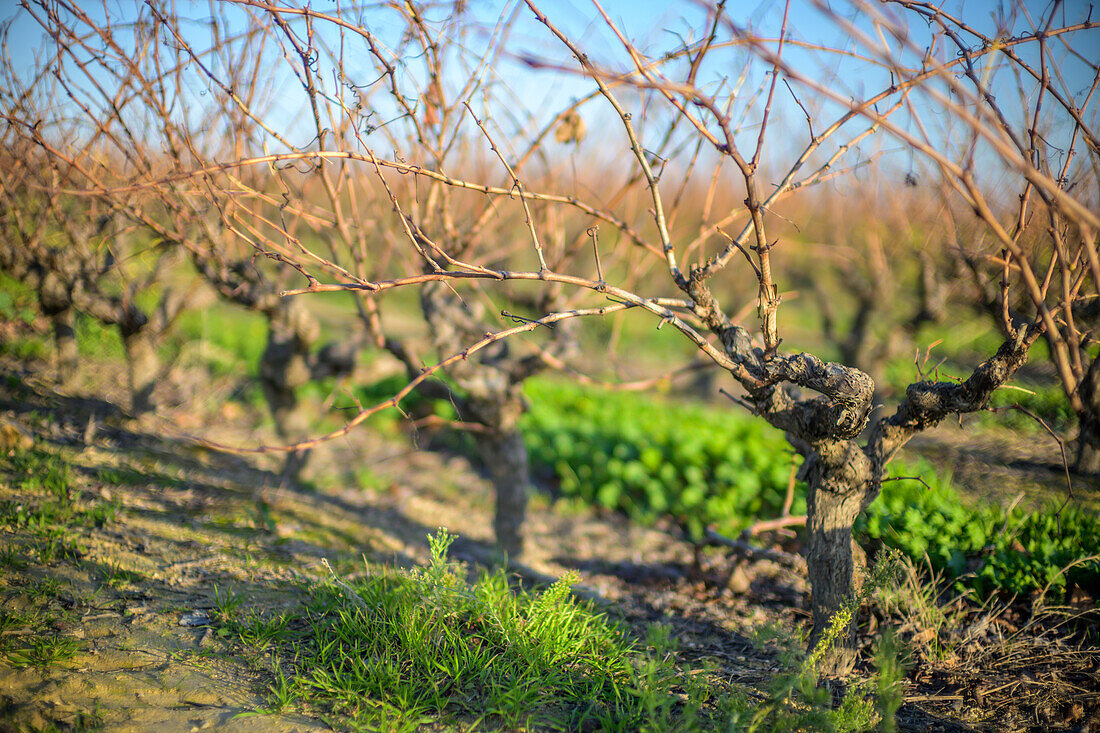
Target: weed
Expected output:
[259,633]
[13,622]
[890,673]
[12,558]
[367,480]
[229,340]
[918,599]
[795,699]
[398,649]
[281,692]
[44,651]
[226,602]
[45,589]
[115,577]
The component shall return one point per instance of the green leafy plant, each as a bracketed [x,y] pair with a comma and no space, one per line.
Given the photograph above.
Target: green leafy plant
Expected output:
[985,548]
[712,467]
[650,458]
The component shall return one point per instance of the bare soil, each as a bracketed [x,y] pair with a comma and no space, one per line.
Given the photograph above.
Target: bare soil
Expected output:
[194,525]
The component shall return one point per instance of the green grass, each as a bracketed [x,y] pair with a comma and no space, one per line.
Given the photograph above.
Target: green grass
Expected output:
[229,339]
[48,506]
[44,651]
[1047,402]
[97,339]
[19,304]
[397,650]
[17,301]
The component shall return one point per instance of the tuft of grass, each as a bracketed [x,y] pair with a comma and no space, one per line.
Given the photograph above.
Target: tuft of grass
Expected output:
[797,702]
[226,603]
[403,649]
[45,589]
[398,650]
[116,577]
[919,600]
[44,651]
[889,677]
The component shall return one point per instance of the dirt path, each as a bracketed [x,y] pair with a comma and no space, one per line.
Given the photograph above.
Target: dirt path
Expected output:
[106,611]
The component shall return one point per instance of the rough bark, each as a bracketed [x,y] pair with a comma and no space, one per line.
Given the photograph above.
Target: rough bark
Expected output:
[1088,420]
[143,370]
[64,336]
[838,475]
[491,396]
[284,367]
[505,457]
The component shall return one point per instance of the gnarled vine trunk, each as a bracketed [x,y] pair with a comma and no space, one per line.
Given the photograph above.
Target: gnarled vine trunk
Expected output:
[64,337]
[143,369]
[56,302]
[505,457]
[504,453]
[284,367]
[1088,421]
[843,476]
[493,399]
[838,475]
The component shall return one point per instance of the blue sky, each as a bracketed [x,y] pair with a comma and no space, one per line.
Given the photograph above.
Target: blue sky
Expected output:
[655,27]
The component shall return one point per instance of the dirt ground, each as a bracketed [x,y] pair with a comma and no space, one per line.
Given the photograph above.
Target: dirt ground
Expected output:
[194,528]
